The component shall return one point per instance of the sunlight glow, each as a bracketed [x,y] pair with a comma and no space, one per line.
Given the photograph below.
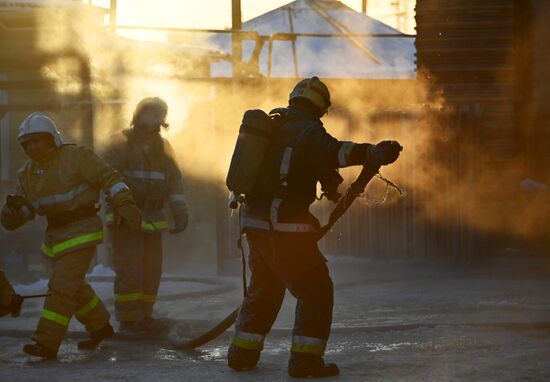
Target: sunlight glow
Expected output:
[216,14]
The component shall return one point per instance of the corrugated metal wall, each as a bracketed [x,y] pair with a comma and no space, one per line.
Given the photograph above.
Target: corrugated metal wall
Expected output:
[479,54]
[471,50]
[540,133]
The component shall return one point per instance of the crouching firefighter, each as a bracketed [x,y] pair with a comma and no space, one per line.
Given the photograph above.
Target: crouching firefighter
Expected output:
[277,163]
[63,183]
[10,302]
[148,164]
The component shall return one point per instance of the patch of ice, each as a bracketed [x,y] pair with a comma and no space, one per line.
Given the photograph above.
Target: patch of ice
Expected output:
[379,347]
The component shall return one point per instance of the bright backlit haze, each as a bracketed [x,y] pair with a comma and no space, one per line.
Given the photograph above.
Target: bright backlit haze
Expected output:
[216,14]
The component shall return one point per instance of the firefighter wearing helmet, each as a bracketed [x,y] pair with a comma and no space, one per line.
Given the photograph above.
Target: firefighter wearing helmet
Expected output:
[63,182]
[149,166]
[281,230]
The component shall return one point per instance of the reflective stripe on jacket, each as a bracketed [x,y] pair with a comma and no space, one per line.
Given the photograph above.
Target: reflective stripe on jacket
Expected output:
[147,224]
[149,167]
[300,154]
[69,179]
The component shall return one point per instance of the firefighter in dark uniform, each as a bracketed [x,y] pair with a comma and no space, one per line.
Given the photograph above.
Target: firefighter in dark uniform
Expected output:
[281,233]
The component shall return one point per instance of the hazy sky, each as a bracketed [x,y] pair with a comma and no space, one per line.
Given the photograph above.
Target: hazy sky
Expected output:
[217,13]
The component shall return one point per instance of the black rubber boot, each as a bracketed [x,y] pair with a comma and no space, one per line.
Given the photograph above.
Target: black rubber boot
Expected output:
[38,350]
[96,337]
[242,359]
[302,365]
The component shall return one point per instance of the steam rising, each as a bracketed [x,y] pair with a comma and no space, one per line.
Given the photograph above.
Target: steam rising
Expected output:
[435,168]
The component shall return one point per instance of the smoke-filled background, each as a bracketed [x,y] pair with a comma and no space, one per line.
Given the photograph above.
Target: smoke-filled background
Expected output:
[459,202]
[446,281]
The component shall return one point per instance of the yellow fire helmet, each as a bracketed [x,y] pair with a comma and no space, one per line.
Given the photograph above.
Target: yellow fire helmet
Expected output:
[314,90]
[158,104]
[39,123]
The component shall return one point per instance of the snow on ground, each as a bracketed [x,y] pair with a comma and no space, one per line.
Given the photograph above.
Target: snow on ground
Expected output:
[102,270]
[392,322]
[101,280]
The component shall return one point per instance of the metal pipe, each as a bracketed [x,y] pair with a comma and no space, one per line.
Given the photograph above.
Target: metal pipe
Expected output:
[342,28]
[269,58]
[294,54]
[237,49]
[112,15]
[253,34]
[341,35]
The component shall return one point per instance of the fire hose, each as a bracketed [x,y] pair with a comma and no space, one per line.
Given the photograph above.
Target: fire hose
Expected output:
[35,296]
[354,190]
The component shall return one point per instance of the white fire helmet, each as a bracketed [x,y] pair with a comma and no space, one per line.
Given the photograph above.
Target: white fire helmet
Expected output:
[39,123]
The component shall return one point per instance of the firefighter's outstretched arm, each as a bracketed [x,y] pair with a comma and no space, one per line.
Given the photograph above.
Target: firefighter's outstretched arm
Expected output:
[98,173]
[176,195]
[337,154]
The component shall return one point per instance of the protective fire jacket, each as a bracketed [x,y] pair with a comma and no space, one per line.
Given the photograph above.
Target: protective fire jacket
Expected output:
[148,164]
[300,156]
[65,188]
[6,293]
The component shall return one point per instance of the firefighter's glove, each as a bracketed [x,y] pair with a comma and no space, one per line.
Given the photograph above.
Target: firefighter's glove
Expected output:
[383,153]
[15,201]
[180,222]
[129,214]
[11,218]
[15,305]
[16,212]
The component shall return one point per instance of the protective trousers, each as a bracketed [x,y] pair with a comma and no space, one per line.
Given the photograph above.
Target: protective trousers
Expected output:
[280,261]
[70,295]
[137,259]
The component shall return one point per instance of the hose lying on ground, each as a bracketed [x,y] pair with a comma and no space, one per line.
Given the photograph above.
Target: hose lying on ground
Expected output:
[356,188]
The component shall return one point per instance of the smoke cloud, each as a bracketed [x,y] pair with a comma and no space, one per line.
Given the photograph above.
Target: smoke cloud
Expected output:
[438,167]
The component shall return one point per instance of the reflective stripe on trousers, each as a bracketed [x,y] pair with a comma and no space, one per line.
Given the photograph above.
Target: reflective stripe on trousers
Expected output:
[137,296]
[309,345]
[55,317]
[88,307]
[71,243]
[249,341]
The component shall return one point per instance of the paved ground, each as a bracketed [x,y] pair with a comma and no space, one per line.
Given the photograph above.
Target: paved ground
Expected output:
[392,322]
